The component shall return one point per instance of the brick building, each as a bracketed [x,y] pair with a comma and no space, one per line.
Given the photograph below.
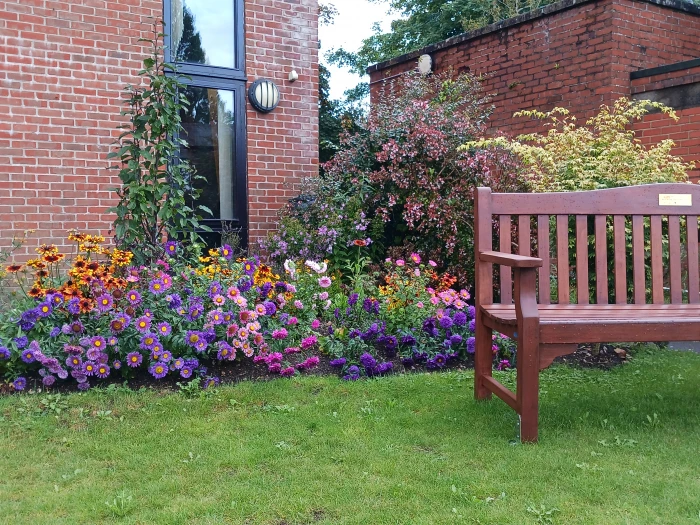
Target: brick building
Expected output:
[63,65]
[580,54]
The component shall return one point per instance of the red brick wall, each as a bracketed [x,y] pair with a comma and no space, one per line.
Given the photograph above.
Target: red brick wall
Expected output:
[573,54]
[656,127]
[63,65]
[283,144]
[62,68]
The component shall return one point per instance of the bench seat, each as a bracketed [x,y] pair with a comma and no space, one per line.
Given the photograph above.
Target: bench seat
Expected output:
[571,323]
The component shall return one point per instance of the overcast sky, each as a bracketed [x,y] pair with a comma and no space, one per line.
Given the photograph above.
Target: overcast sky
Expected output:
[352,25]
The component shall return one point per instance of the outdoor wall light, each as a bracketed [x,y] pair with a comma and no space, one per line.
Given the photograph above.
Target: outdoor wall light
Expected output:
[264,95]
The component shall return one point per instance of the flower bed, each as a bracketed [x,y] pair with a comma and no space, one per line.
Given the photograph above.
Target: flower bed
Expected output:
[189,313]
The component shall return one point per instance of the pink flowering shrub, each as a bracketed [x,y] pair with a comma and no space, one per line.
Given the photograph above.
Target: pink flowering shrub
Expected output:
[403,180]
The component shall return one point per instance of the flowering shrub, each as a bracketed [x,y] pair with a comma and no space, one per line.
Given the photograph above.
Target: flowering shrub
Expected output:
[403,180]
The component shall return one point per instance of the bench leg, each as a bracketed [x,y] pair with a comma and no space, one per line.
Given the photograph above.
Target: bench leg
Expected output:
[528,387]
[483,358]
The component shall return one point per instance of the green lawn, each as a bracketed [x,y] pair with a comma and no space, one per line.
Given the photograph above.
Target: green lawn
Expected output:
[615,447]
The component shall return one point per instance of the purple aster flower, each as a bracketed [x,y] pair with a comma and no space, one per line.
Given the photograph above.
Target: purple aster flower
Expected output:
[117,364]
[408,340]
[225,351]
[55,332]
[28,356]
[195,312]
[407,362]
[270,308]
[460,319]
[143,324]
[156,287]
[226,252]
[368,361]
[170,248]
[351,377]
[354,333]
[104,302]
[30,316]
[119,323]
[21,341]
[210,382]
[134,297]
[186,371]
[455,339]
[89,368]
[163,328]
[177,363]
[215,289]
[472,325]
[102,371]
[26,326]
[201,345]
[98,342]
[174,301]
[471,345]
[352,300]
[158,370]
[446,322]
[471,312]
[133,359]
[55,299]
[74,306]
[383,368]
[19,384]
[93,353]
[210,336]
[62,373]
[4,352]
[166,356]
[85,385]
[44,309]
[245,284]
[338,363]
[149,341]
[440,360]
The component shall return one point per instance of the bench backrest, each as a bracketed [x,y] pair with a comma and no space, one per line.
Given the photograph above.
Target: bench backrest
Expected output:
[645,227]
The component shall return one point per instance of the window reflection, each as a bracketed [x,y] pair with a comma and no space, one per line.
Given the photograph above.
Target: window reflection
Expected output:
[209,130]
[203,32]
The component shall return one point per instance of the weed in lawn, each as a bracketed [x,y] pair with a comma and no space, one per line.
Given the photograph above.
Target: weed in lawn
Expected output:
[121,505]
[543,514]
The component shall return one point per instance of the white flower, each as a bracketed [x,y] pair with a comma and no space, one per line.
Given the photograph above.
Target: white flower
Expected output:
[290,267]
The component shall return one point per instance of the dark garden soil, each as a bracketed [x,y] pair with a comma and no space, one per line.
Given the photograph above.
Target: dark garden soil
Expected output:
[608,357]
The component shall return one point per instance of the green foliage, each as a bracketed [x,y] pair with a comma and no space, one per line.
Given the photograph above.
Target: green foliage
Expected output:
[425,22]
[603,153]
[156,195]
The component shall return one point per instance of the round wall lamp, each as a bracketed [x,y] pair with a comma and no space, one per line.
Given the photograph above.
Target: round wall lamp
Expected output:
[264,95]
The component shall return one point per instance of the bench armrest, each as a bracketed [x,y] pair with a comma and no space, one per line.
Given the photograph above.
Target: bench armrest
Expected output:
[510,259]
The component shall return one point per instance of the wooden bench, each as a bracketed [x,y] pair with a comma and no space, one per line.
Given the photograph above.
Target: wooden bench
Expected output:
[535,292]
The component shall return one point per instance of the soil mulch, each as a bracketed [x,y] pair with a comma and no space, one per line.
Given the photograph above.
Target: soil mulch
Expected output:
[245,370]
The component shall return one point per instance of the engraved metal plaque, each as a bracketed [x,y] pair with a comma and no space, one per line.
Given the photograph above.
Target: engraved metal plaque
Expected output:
[675,199]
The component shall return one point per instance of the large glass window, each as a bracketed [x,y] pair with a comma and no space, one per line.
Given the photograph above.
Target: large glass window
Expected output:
[203,32]
[205,42]
[210,132]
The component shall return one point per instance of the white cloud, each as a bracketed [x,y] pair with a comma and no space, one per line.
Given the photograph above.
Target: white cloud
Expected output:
[352,24]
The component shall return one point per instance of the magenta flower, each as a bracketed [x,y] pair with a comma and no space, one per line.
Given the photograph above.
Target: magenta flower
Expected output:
[325,282]
[287,372]
[280,334]
[400,262]
[415,258]
[309,342]
[315,324]
[274,368]
[292,321]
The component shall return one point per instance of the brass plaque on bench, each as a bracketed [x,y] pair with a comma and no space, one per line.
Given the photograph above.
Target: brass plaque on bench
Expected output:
[675,199]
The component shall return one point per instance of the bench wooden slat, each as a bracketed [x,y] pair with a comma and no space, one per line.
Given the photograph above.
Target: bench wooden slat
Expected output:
[524,235]
[601,259]
[674,252]
[693,277]
[620,259]
[563,259]
[582,259]
[638,259]
[657,268]
[505,242]
[543,253]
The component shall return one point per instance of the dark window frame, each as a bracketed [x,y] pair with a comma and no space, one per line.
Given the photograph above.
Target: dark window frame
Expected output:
[213,77]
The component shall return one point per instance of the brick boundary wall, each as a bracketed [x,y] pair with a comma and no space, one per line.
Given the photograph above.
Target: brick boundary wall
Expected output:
[576,53]
[678,86]
[63,66]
